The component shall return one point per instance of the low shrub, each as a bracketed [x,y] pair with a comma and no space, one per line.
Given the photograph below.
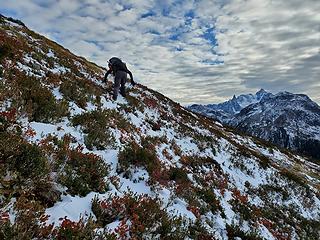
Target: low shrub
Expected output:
[96,126]
[72,93]
[294,177]
[6,51]
[82,173]
[75,87]
[158,225]
[178,175]
[209,197]
[83,229]
[33,226]
[234,231]
[135,155]
[1,74]
[29,221]
[22,157]
[39,102]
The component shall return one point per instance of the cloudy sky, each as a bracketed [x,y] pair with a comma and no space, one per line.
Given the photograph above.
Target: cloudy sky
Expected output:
[193,51]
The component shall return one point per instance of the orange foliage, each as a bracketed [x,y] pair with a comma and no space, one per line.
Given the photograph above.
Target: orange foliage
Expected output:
[237,195]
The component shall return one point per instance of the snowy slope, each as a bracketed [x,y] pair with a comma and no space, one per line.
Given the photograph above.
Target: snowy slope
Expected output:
[73,161]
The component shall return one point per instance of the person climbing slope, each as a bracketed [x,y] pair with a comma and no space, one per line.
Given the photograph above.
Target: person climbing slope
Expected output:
[120,71]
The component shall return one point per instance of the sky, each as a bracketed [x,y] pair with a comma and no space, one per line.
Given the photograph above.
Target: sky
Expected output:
[193,51]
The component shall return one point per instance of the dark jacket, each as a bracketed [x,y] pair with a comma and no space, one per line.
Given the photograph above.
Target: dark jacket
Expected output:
[120,67]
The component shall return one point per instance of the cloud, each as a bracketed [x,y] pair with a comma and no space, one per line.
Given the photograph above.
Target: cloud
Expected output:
[195,50]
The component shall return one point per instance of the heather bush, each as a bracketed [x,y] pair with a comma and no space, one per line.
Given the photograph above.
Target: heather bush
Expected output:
[75,87]
[82,173]
[28,223]
[135,155]
[234,231]
[83,229]
[31,225]
[1,75]
[39,102]
[178,175]
[72,93]
[96,125]
[157,225]
[209,197]
[22,157]
[6,51]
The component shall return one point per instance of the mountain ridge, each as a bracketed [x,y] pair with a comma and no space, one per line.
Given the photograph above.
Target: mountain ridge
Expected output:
[276,118]
[76,163]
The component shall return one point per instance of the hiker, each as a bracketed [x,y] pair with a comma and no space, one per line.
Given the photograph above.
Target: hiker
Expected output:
[120,71]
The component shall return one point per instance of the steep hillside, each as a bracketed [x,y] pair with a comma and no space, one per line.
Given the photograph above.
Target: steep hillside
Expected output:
[75,163]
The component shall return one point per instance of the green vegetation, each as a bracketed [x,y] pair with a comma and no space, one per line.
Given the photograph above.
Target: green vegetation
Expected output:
[209,197]
[24,158]
[25,163]
[294,177]
[79,90]
[36,100]
[135,155]
[27,227]
[96,126]
[83,173]
[80,172]
[178,175]
[234,231]
[6,51]
[135,208]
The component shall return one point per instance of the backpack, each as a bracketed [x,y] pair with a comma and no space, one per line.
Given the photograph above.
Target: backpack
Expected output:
[117,64]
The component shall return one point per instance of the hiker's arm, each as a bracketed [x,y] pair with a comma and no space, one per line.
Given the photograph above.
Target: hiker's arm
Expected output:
[106,76]
[131,77]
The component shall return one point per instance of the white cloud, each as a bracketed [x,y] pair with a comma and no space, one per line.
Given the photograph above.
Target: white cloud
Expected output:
[271,44]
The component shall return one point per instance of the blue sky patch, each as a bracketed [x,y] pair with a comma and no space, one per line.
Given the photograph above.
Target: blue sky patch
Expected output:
[209,35]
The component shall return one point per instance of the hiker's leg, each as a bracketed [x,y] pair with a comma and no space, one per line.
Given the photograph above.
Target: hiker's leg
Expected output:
[117,81]
[123,83]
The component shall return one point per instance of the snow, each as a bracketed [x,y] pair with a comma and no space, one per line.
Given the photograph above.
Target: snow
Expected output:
[108,104]
[265,233]
[71,207]
[6,104]
[112,226]
[230,214]
[43,129]
[30,71]
[57,94]
[187,146]
[51,54]
[179,207]
[9,208]
[13,24]
[59,69]
[74,109]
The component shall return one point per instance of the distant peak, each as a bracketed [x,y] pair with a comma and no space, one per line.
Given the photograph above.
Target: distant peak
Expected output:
[234,97]
[261,91]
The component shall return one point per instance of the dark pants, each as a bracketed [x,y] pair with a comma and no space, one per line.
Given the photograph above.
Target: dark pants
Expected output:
[120,80]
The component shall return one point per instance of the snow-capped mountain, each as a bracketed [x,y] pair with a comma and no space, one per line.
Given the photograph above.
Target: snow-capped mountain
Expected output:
[288,120]
[226,110]
[285,119]
[75,164]
[233,105]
